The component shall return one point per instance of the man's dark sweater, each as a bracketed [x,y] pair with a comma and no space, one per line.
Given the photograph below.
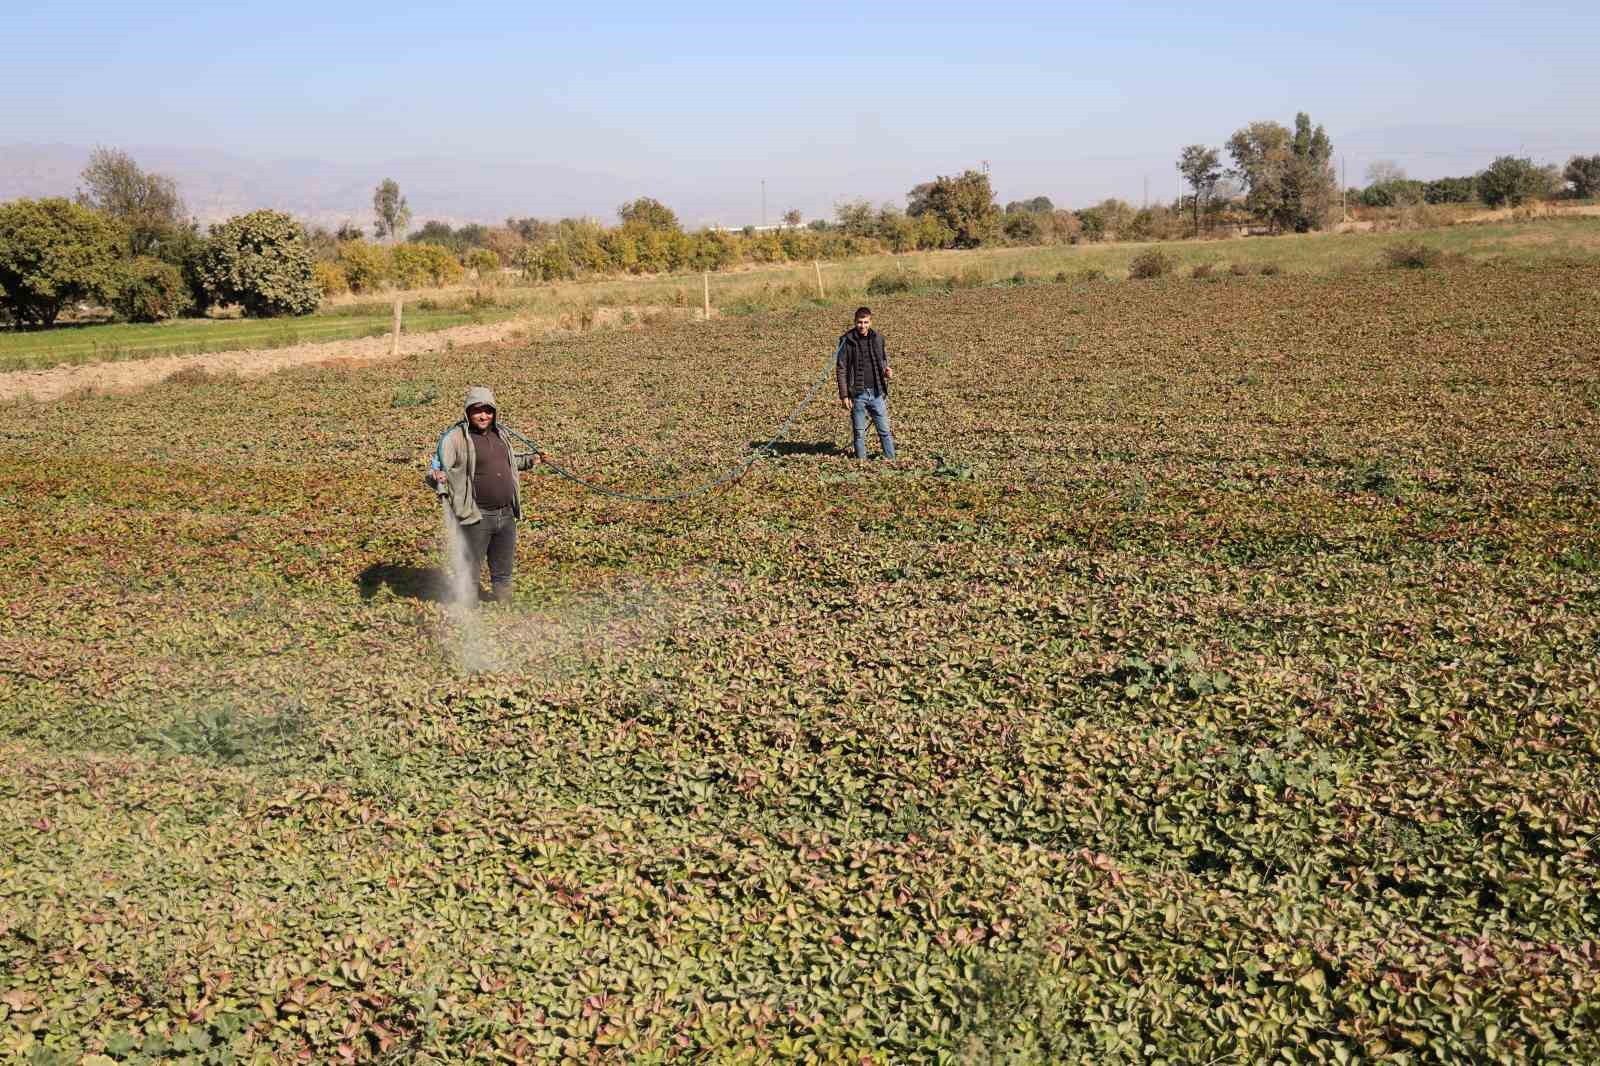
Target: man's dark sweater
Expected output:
[863,364]
[493,480]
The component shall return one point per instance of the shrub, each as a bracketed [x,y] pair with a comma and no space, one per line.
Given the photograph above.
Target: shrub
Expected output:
[1400,192]
[1239,270]
[365,266]
[1203,270]
[1412,255]
[1151,263]
[1269,270]
[261,262]
[414,394]
[886,283]
[1451,191]
[54,253]
[330,279]
[1092,274]
[149,290]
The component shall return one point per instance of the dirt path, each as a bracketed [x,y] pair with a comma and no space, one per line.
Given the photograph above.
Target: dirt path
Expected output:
[132,374]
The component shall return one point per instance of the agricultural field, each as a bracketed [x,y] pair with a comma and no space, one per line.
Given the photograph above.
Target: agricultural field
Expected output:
[1215,678]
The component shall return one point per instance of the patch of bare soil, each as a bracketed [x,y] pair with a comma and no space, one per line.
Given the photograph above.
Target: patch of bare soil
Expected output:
[131,375]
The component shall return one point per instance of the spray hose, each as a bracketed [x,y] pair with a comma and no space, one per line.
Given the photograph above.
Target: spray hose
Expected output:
[728,478]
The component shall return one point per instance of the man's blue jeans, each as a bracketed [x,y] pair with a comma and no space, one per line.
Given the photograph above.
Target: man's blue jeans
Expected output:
[862,404]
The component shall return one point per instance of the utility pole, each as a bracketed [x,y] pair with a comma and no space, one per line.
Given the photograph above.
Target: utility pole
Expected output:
[1147,192]
[763,203]
[1344,192]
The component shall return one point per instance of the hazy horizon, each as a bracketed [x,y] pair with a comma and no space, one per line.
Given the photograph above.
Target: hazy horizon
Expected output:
[493,110]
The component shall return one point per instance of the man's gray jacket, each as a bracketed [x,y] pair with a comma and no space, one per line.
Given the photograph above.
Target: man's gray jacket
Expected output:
[456,456]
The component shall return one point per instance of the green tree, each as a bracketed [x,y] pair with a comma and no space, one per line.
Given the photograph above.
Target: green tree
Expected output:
[649,214]
[791,218]
[392,211]
[149,290]
[856,218]
[1039,205]
[965,204]
[1288,177]
[896,229]
[1514,181]
[1021,227]
[262,262]
[54,252]
[1313,183]
[147,205]
[434,232]
[1201,167]
[1584,173]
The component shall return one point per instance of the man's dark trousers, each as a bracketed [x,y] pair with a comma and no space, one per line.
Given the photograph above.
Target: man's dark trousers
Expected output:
[493,537]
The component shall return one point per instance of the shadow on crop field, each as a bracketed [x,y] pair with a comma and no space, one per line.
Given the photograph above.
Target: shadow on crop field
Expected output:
[426,583]
[801,447]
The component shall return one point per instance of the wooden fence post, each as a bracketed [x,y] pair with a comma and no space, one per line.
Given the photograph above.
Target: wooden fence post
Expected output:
[821,293]
[394,343]
[707,280]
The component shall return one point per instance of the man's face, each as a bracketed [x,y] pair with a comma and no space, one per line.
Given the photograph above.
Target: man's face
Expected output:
[480,416]
[863,324]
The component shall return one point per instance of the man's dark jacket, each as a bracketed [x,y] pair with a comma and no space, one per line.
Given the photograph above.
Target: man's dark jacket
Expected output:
[854,348]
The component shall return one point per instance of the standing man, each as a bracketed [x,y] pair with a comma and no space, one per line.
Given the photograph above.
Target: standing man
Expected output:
[862,369]
[475,471]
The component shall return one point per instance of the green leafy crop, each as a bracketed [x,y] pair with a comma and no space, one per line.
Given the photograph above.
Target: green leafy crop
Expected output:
[1215,678]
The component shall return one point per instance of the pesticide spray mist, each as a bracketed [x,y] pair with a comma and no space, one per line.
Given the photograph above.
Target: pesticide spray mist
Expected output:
[471,643]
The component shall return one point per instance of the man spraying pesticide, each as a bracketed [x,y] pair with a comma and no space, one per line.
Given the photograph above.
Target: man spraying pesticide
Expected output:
[474,471]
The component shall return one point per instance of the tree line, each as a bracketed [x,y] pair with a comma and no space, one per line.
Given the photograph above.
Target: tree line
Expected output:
[126,241]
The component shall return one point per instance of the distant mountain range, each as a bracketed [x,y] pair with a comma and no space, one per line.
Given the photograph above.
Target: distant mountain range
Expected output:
[216,185]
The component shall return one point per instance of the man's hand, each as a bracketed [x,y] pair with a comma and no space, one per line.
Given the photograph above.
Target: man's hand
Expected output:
[437,476]
[888,374]
[846,404]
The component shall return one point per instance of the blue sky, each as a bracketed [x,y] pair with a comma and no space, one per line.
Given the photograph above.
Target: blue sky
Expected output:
[825,101]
